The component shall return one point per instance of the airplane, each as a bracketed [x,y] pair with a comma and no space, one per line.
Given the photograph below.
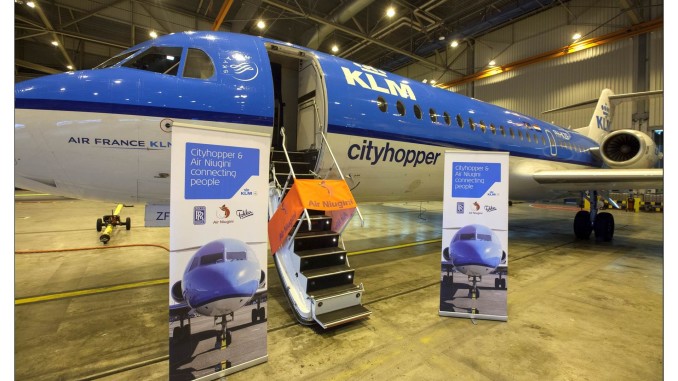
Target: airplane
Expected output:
[219,278]
[475,250]
[105,133]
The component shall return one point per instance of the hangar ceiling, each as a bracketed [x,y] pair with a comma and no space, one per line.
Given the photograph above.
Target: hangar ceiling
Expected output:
[90,31]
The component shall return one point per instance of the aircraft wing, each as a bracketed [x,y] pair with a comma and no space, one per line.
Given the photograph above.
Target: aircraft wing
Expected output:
[179,311]
[601,179]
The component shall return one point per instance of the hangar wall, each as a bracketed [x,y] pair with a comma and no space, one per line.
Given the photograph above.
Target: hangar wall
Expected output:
[569,79]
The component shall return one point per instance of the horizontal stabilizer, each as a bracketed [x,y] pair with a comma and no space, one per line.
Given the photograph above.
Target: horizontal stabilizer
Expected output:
[614,99]
[602,179]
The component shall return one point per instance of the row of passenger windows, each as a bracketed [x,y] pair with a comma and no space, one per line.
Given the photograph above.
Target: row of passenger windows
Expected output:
[480,125]
[166,60]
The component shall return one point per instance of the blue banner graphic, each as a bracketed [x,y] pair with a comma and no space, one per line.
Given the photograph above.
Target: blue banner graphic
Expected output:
[472,180]
[218,172]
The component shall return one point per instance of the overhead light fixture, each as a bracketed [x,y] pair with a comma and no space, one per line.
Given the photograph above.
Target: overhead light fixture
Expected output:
[69,67]
[153,34]
[454,44]
[31,4]
[433,82]
[492,63]
[261,24]
[425,80]
[441,38]
[390,12]
[576,36]
[335,48]
[55,43]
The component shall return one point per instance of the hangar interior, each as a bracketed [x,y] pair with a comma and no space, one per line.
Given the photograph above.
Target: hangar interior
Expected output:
[577,309]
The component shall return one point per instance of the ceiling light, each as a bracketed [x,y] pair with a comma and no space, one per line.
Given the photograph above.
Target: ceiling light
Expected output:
[153,34]
[55,43]
[390,12]
[492,63]
[454,44]
[576,36]
[31,4]
[425,80]
[261,24]
[335,48]
[69,67]
[441,38]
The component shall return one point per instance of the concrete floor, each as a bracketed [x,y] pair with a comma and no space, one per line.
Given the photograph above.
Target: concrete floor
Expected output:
[577,310]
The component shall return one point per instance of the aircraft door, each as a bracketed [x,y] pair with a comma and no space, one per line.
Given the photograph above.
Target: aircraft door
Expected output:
[311,106]
[552,143]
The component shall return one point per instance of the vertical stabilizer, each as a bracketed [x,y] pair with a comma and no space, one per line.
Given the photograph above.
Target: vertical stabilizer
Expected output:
[601,122]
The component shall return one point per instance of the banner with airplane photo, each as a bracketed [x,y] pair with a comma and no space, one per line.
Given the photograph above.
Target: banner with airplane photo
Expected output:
[474,253]
[218,251]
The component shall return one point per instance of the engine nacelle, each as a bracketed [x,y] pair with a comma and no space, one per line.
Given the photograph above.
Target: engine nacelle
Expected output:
[177,293]
[629,149]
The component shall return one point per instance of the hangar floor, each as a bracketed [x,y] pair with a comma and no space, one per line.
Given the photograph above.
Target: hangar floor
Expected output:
[576,309]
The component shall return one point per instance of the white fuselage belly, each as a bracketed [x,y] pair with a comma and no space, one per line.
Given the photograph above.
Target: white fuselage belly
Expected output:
[57,149]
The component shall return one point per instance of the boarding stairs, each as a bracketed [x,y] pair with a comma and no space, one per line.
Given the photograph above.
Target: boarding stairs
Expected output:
[312,262]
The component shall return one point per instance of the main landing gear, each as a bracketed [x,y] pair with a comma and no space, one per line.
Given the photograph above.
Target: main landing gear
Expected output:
[602,224]
[107,223]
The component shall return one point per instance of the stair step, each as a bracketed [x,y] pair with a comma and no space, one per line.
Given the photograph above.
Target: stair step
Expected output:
[315,239]
[327,277]
[298,166]
[318,222]
[334,291]
[321,257]
[342,316]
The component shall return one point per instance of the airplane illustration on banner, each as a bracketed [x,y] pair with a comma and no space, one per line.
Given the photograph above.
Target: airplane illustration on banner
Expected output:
[219,278]
[475,250]
[105,133]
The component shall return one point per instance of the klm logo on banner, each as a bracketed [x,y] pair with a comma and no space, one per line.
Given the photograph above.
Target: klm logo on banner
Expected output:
[472,180]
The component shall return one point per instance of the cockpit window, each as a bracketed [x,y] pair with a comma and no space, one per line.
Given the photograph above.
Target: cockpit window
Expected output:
[116,59]
[467,237]
[210,259]
[484,237]
[474,237]
[158,59]
[236,255]
[198,64]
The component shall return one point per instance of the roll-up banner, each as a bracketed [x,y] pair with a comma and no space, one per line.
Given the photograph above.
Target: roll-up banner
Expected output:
[474,253]
[218,251]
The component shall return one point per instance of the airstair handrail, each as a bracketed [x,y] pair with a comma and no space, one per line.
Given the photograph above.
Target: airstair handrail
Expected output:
[289,162]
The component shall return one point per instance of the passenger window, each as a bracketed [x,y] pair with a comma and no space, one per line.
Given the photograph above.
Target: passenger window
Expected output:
[432,114]
[493,129]
[157,59]
[536,139]
[198,64]
[447,118]
[502,130]
[401,108]
[543,141]
[417,111]
[460,121]
[513,136]
[520,134]
[471,124]
[528,137]
[381,103]
[482,126]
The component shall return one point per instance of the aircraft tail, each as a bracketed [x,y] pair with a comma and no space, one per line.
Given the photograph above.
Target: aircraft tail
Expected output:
[601,121]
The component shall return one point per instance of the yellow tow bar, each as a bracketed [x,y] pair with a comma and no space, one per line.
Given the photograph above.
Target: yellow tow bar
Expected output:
[109,222]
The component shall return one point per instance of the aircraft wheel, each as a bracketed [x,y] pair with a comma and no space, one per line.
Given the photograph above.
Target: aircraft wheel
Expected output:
[255,315]
[604,226]
[262,313]
[176,333]
[100,224]
[229,339]
[503,284]
[582,225]
[497,283]
[128,223]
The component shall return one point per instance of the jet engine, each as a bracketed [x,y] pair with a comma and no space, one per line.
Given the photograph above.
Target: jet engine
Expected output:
[176,292]
[629,149]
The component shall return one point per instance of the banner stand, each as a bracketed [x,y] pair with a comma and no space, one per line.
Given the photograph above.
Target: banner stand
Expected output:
[474,252]
[218,251]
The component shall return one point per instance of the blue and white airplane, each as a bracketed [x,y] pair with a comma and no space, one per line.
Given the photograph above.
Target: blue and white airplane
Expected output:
[475,250]
[219,278]
[105,133]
